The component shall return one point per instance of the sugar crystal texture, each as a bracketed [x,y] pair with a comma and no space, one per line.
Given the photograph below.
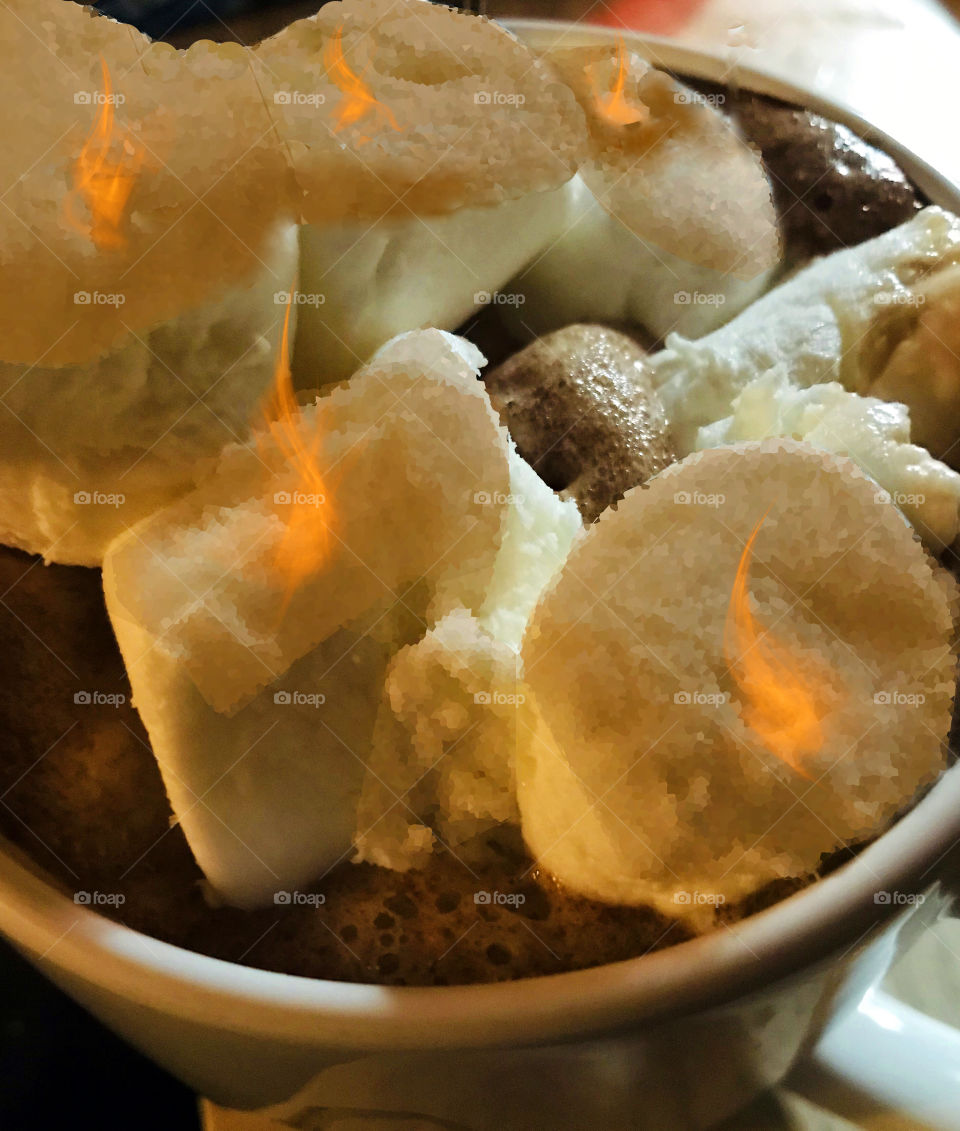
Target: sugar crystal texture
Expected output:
[88,450]
[260,700]
[190,129]
[652,777]
[670,222]
[396,106]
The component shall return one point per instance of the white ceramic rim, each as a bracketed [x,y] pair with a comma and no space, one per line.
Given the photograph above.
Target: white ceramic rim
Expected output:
[829,917]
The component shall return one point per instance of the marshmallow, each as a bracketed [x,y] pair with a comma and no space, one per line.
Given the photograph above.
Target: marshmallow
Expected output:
[454,709]
[362,283]
[669,765]
[671,223]
[259,697]
[817,325]
[873,433]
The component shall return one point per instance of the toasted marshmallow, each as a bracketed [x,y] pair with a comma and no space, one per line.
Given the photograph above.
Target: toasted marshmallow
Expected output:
[362,283]
[88,450]
[148,225]
[391,106]
[600,269]
[259,696]
[671,223]
[682,715]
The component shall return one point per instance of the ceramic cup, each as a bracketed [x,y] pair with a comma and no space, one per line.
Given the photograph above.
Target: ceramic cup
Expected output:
[680,1038]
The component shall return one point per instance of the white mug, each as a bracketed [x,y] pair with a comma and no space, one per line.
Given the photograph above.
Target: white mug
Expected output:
[680,1038]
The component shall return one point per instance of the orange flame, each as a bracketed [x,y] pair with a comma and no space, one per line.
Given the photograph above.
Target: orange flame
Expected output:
[104,174]
[358,99]
[779,705]
[307,511]
[612,105]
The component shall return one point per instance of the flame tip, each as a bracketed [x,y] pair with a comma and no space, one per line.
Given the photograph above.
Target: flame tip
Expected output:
[613,105]
[102,178]
[779,704]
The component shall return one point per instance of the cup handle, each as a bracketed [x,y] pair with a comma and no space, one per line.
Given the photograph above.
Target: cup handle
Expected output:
[879,1056]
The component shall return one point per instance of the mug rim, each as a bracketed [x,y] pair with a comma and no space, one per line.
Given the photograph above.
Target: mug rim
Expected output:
[805,929]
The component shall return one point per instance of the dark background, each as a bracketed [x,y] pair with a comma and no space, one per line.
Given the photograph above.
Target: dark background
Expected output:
[59,1068]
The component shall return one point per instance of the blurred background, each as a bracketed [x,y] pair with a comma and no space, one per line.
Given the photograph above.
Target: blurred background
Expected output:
[248,20]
